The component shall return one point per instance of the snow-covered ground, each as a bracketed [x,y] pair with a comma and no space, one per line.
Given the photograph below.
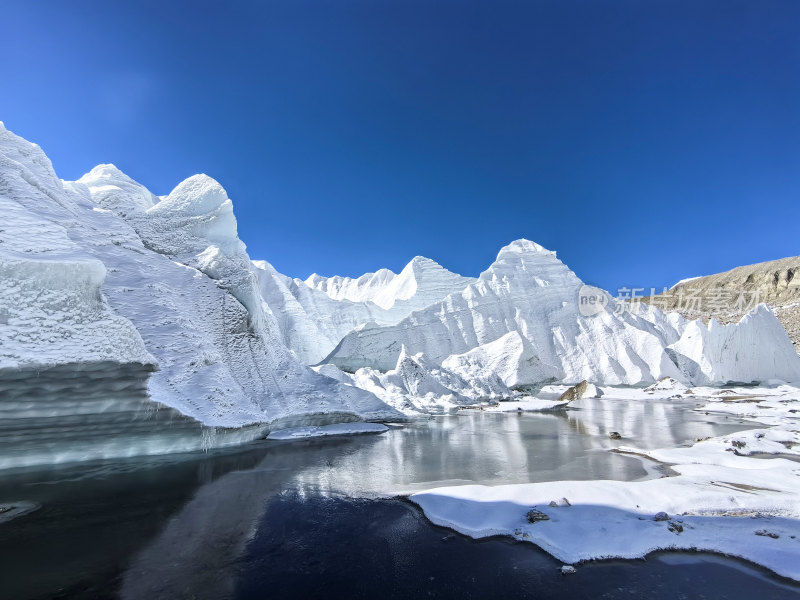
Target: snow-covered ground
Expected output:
[718,497]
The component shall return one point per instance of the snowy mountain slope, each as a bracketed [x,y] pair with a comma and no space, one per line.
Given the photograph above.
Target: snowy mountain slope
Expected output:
[167,286]
[312,319]
[511,358]
[421,283]
[309,321]
[221,360]
[529,291]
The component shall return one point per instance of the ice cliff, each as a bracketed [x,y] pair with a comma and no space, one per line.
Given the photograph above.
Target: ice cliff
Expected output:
[101,272]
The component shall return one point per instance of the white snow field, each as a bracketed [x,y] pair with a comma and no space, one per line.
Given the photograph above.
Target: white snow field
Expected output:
[718,497]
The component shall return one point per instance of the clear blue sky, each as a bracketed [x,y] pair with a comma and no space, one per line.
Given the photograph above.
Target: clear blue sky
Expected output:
[644,140]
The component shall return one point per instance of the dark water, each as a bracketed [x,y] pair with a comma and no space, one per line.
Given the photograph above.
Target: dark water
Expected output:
[311,519]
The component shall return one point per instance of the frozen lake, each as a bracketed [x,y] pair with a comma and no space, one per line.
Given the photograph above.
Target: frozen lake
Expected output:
[309,518]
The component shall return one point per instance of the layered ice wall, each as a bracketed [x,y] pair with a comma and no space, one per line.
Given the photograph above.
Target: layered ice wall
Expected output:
[521,318]
[52,311]
[97,272]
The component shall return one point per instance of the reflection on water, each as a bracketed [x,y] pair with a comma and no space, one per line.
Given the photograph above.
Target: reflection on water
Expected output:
[176,527]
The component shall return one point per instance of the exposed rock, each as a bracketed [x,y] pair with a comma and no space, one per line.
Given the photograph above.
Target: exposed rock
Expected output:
[661,516]
[675,527]
[615,435]
[769,534]
[576,392]
[534,516]
[728,296]
[563,502]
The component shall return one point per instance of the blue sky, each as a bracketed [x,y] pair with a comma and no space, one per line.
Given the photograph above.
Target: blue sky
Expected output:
[645,141]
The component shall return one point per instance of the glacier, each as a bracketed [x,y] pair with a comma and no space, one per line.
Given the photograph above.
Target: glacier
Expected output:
[132,323]
[531,296]
[102,272]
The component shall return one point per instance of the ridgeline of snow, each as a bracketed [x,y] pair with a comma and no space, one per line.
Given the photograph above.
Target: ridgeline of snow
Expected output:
[313,316]
[309,322]
[421,283]
[529,291]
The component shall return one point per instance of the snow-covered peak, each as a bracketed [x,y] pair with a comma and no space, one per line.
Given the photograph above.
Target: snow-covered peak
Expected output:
[522,247]
[525,267]
[360,289]
[105,171]
[195,196]
[421,282]
[115,191]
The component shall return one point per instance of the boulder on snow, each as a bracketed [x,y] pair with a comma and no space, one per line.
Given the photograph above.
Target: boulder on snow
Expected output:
[576,392]
[534,516]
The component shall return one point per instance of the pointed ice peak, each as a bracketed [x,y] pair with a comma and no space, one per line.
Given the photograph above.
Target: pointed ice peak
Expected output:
[523,246]
[114,190]
[419,265]
[529,265]
[403,355]
[104,171]
[195,196]
[421,261]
